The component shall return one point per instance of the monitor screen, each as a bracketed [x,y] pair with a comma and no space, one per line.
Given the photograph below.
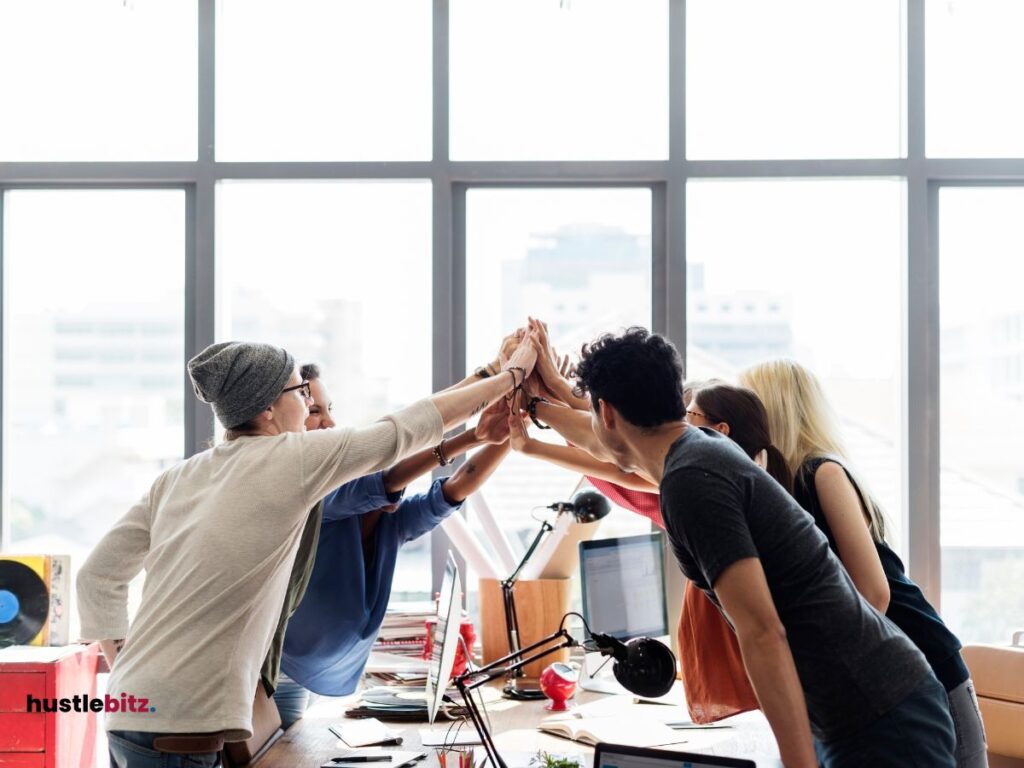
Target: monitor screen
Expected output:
[446,638]
[623,582]
[613,756]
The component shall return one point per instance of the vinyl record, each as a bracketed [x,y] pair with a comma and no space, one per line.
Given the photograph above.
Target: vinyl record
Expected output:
[397,696]
[24,603]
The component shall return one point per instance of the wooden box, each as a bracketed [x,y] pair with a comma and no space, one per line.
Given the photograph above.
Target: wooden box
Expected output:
[540,606]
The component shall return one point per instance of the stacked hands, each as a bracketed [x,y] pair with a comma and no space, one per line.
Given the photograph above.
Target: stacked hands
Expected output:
[546,378]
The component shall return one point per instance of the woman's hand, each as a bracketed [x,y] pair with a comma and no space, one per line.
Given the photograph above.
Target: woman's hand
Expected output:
[518,437]
[493,425]
[524,357]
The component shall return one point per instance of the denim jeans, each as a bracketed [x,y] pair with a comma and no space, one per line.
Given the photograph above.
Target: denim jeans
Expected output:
[970,732]
[916,733]
[292,700]
[134,749]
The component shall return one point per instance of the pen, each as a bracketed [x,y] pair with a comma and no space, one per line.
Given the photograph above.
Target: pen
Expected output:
[362,759]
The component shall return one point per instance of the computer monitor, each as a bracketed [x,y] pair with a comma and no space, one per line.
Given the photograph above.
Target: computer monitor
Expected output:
[615,756]
[623,582]
[446,638]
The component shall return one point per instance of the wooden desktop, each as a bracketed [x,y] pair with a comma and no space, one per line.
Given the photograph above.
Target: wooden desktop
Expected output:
[309,743]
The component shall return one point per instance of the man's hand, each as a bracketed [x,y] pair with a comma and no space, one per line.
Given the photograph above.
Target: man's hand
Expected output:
[493,425]
[518,437]
[525,357]
[509,344]
[110,649]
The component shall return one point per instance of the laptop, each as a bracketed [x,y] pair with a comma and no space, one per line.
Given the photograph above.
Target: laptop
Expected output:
[617,756]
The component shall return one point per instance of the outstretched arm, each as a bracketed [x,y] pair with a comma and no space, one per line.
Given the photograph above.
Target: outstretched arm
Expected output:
[574,459]
[492,428]
[458,405]
[474,473]
[574,426]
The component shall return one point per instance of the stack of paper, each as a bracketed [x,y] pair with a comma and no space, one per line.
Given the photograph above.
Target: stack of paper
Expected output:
[403,631]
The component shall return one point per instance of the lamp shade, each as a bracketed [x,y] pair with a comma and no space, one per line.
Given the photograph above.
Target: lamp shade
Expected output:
[643,666]
[590,506]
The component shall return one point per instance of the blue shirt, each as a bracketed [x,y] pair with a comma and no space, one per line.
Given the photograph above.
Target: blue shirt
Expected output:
[330,635]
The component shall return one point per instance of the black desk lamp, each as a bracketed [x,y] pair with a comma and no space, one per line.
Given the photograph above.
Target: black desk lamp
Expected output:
[643,666]
[585,507]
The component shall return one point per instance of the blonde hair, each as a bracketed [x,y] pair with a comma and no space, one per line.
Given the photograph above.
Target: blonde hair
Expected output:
[803,426]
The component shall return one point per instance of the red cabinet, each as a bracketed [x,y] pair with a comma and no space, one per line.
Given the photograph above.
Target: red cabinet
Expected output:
[41,739]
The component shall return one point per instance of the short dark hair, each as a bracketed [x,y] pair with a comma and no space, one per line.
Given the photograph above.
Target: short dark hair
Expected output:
[638,372]
[309,372]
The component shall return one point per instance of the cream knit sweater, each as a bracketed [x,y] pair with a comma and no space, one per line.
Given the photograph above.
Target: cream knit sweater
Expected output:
[217,535]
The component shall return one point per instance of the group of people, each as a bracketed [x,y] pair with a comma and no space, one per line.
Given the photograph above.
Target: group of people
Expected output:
[269,557]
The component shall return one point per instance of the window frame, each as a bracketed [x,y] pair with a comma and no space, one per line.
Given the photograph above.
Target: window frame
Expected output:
[666,178]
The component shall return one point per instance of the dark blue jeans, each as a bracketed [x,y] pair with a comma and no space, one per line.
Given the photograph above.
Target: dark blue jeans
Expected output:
[916,733]
[134,749]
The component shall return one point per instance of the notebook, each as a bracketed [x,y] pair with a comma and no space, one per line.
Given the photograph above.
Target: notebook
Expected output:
[366,733]
[617,730]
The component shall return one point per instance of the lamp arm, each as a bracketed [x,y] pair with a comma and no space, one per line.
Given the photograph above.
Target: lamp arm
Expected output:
[545,526]
[516,660]
[469,681]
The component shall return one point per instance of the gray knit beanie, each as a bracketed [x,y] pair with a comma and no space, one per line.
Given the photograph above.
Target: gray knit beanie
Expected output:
[240,379]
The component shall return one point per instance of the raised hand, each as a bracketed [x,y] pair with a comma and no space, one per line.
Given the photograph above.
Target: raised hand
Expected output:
[493,425]
[518,437]
[524,357]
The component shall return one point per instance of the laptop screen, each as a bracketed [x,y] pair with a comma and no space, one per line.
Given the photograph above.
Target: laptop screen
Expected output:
[612,756]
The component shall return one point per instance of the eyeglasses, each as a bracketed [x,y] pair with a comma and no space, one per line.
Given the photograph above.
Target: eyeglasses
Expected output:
[697,413]
[304,387]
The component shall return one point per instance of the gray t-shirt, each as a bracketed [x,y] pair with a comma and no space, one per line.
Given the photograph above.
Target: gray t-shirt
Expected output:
[720,507]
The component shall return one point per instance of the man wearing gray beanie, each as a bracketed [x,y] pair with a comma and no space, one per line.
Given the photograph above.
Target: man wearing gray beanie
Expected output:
[240,379]
[217,535]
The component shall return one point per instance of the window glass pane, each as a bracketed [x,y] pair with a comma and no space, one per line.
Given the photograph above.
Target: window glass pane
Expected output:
[809,270]
[331,277]
[98,80]
[323,80]
[580,259]
[94,374]
[580,80]
[982,400]
[793,79]
[974,68]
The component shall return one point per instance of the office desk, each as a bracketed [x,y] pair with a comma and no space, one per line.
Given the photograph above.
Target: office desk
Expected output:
[309,743]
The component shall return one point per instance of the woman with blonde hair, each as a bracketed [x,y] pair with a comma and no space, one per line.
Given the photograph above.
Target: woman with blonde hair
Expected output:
[804,429]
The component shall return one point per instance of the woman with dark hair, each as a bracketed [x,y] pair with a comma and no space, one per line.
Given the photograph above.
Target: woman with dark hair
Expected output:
[217,536]
[739,414]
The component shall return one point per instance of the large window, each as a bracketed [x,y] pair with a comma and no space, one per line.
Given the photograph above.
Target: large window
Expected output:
[793,79]
[388,187]
[99,80]
[323,80]
[808,270]
[93,361]
[982,385]
[561,81]
[329,277]
[580,259]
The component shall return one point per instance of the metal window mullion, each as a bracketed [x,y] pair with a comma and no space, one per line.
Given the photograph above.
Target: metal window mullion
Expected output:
[920,337]
[200,258]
